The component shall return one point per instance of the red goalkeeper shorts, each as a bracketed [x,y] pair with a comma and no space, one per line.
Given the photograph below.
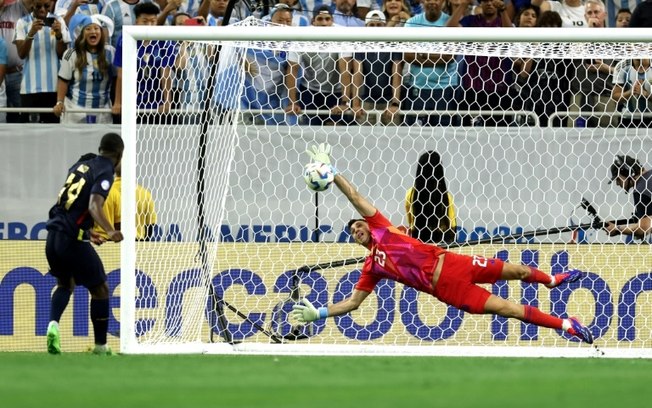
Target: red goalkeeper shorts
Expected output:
[456,285]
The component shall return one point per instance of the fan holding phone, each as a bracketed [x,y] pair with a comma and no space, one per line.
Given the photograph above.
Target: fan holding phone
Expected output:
[41,39]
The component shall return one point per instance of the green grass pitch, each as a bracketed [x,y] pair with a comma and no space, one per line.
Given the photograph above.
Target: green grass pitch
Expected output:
[81,380]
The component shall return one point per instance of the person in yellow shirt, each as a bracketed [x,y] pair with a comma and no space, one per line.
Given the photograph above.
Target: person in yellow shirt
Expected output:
[145,210]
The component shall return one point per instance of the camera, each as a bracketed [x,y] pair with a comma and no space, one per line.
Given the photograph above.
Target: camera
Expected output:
[49,21]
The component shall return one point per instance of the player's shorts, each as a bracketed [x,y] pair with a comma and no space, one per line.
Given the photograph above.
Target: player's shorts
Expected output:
[69,258]
[456,285]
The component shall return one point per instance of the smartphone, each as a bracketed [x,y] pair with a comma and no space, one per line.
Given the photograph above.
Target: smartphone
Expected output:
[93,1]
[49,21]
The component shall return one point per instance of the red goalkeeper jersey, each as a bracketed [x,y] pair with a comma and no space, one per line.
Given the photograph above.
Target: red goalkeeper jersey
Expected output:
[398,257]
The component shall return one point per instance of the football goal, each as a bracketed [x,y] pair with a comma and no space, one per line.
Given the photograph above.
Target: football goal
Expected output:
[501,139]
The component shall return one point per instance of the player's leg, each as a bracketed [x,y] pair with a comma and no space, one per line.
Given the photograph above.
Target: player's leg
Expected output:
[91,274]
[58,303]
[57,249]
[529,314]
[533,275]
[100,316]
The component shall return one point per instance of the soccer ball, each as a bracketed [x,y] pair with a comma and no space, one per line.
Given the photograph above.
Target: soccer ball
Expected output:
[318,176]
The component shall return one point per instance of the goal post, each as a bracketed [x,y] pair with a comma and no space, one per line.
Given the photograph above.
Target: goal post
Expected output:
[240,238]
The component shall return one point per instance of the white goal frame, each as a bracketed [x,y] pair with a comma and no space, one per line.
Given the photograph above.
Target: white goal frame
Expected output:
[131,34]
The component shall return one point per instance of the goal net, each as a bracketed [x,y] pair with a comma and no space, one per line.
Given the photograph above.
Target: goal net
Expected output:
[503,147]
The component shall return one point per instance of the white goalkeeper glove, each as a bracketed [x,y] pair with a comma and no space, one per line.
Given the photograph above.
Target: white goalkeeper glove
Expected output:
[307,312]
[320,153]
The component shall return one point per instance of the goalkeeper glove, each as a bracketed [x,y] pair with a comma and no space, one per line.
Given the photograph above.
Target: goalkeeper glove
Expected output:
[307,313]
[320,153]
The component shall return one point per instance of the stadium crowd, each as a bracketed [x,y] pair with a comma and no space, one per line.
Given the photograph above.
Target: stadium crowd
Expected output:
[65,55]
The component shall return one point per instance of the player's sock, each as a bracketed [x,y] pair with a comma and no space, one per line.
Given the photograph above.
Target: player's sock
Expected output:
[567,327]
[537,276]
[58,303]
[100,319]
[536,316]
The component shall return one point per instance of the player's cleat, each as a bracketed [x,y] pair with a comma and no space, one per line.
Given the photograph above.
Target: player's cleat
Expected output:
[101,350]
[567,277]
[54,340]
[580,330]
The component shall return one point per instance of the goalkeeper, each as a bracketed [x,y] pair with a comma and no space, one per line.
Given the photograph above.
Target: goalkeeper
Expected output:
[448,276]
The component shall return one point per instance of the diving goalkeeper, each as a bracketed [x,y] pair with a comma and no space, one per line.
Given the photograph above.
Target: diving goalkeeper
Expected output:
[448,276]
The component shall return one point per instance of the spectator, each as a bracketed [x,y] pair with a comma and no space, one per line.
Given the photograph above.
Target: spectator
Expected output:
[593,77]
[74,27]
[434,77]
[299,17]
[571,11]
[451,5]
[344,15]
[217,8]
[595,13]
[546,81]
[192,8]
[9,16]
[397,12]
[3,70]
[486,79]
[155,61]
[623,17]
[642,15]
[377,82]
[266,82]
[527,17]
[123,13]
[41,39]
[549,19]
[180,18]
[68,8]
[191,66]
[321,86]
[84,82]
[632,79]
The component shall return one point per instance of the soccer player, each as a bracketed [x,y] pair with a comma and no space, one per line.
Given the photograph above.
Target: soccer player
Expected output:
[448,276]
[629,174]
[70,255]
[145,210]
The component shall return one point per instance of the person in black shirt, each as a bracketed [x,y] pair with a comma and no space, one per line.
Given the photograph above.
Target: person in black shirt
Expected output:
[642,15]
[630,175]
[70,255]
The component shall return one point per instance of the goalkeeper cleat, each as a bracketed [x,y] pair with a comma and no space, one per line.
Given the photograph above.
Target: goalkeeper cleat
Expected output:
[54,340]
[581,331]
[567,277]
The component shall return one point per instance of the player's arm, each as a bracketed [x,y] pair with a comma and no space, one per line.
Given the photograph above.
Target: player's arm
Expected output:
[306,312]
[95,209]
[360,203]
[321,154]
[638,229]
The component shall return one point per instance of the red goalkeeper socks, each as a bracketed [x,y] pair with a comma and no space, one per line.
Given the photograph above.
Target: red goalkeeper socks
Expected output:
[536,276]
[536,316]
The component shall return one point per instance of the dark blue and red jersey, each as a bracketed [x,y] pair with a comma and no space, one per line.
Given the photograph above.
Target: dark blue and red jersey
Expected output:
[91,174]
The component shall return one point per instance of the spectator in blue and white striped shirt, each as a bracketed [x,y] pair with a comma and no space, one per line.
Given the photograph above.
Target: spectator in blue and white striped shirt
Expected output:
[41,38]
[122,13]
[68,8]
[86,75]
